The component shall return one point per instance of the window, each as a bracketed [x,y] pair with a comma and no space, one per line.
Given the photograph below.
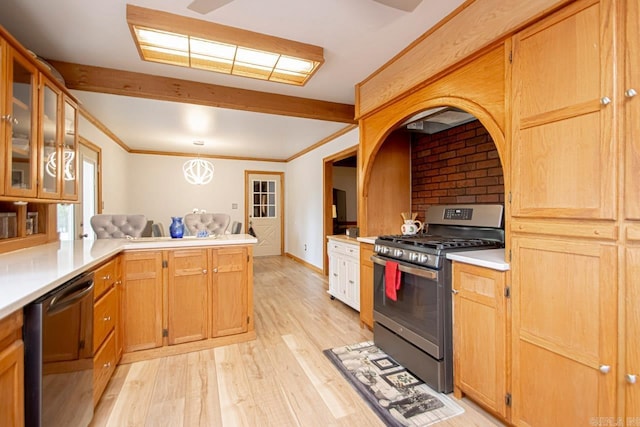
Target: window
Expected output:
[264,199]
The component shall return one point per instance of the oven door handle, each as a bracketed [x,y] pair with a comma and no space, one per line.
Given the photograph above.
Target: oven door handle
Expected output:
[427,274]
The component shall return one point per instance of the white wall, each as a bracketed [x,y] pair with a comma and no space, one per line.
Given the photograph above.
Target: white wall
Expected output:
[154,185]
[115,168]
[158,189]
[346,179]
[304,200]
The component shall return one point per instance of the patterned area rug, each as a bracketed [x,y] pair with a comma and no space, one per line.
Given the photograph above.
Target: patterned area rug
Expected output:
[395,394]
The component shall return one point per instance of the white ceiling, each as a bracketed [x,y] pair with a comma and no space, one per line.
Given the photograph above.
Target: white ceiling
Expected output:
[358,36]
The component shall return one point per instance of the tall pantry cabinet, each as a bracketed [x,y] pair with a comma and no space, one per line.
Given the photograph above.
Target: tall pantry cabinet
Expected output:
[631,131]
[566,270]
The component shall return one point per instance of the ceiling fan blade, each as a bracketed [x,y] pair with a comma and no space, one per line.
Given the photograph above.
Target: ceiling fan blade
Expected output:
[406,5]
[206,6]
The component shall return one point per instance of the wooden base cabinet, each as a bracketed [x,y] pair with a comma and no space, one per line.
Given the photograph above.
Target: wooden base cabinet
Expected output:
[185,296]
[366,285]
[480,335]
[632,337]
[106,321]
[142,277]
[564,299]
[188,296]
[230,291]
[11,371]
[344,271]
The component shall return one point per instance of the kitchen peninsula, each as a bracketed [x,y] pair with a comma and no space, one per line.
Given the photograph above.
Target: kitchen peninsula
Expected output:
[151,297]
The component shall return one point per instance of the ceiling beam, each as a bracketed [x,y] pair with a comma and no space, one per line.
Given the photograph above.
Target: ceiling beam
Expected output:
[127,83]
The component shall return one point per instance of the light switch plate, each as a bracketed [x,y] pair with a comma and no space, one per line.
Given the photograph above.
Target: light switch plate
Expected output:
[234,206]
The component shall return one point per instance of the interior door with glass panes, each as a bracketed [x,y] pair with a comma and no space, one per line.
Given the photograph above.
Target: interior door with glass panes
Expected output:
[264,206]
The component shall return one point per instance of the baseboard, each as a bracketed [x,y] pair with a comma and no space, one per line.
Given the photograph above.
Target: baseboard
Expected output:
[303,262]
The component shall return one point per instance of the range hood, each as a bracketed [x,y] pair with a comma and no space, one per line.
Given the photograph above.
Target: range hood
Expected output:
[437,119]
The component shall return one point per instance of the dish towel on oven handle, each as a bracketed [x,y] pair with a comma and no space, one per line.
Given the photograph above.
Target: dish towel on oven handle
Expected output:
[392,280]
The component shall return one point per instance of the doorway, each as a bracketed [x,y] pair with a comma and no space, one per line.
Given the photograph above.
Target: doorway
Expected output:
[264,212]
[340,170]
[74,219]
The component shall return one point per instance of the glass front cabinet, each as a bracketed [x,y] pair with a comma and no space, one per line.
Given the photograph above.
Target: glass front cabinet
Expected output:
[58,144]
[19,125]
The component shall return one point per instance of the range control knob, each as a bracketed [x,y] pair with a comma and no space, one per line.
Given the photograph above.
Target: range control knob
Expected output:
[414,257]
[398,253]
[424,258]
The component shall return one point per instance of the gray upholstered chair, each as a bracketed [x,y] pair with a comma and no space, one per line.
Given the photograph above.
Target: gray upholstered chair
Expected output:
[236,227]
[212,223]
[118,226]
[157,229]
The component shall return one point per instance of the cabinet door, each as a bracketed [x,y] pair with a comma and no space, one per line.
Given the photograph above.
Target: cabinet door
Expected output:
[366,284]
[564,155]
[20,126]
[564,347]
[69,151]
[12,385]
[188,295]
[352,282]
[479,335]
[230,292]
[142,300]
[334,275]
[49,138]
[631,104]
[632,338]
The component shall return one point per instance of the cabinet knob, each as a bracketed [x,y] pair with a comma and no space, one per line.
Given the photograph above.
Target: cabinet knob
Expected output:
[215,270]
[631,378]
[454,291]
[630,93]
[107,277]
[204,271]
[605,369]
[10,119]
[106,318]
[605,100]
[107,365]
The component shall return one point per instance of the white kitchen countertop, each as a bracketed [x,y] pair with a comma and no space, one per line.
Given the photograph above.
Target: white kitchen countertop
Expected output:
[371,240]
[27,274]
[490,258]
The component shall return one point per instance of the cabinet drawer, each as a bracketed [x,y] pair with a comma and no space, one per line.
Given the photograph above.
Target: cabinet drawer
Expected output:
[104,317]
[104,363]
[104,277]
[343,248]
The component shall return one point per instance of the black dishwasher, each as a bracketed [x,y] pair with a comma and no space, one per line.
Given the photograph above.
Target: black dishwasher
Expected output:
[58,337]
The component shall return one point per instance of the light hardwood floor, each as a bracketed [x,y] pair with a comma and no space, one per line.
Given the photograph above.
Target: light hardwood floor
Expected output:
[280,379]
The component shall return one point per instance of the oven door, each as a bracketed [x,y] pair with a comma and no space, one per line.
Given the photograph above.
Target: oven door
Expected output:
[417,315]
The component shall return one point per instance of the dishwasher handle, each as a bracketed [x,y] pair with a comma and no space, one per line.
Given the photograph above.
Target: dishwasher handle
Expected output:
[71,295]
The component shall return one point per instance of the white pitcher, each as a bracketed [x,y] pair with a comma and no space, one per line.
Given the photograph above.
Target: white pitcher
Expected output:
[411,227]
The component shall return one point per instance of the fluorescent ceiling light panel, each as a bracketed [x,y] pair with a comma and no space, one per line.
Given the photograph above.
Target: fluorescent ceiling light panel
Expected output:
[178,40]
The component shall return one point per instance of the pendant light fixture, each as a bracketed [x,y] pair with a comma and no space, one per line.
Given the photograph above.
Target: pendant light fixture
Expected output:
[198,171]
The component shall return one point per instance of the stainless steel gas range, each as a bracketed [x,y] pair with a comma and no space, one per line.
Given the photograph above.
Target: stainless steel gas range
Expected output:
[412,287]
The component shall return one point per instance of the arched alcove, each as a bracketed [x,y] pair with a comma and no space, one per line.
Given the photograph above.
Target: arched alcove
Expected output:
[385,179]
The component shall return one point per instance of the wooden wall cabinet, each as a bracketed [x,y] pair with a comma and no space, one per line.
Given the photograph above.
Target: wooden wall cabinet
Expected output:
[344,271]
[19,124]
[11,371]
[564,156]
[480,336]
[57,143]
[366,285]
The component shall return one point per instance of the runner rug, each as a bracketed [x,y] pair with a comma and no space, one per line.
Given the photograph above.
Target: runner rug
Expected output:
[395,394]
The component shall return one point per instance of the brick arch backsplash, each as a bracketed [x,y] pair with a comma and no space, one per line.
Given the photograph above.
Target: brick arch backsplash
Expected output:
[458,165]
